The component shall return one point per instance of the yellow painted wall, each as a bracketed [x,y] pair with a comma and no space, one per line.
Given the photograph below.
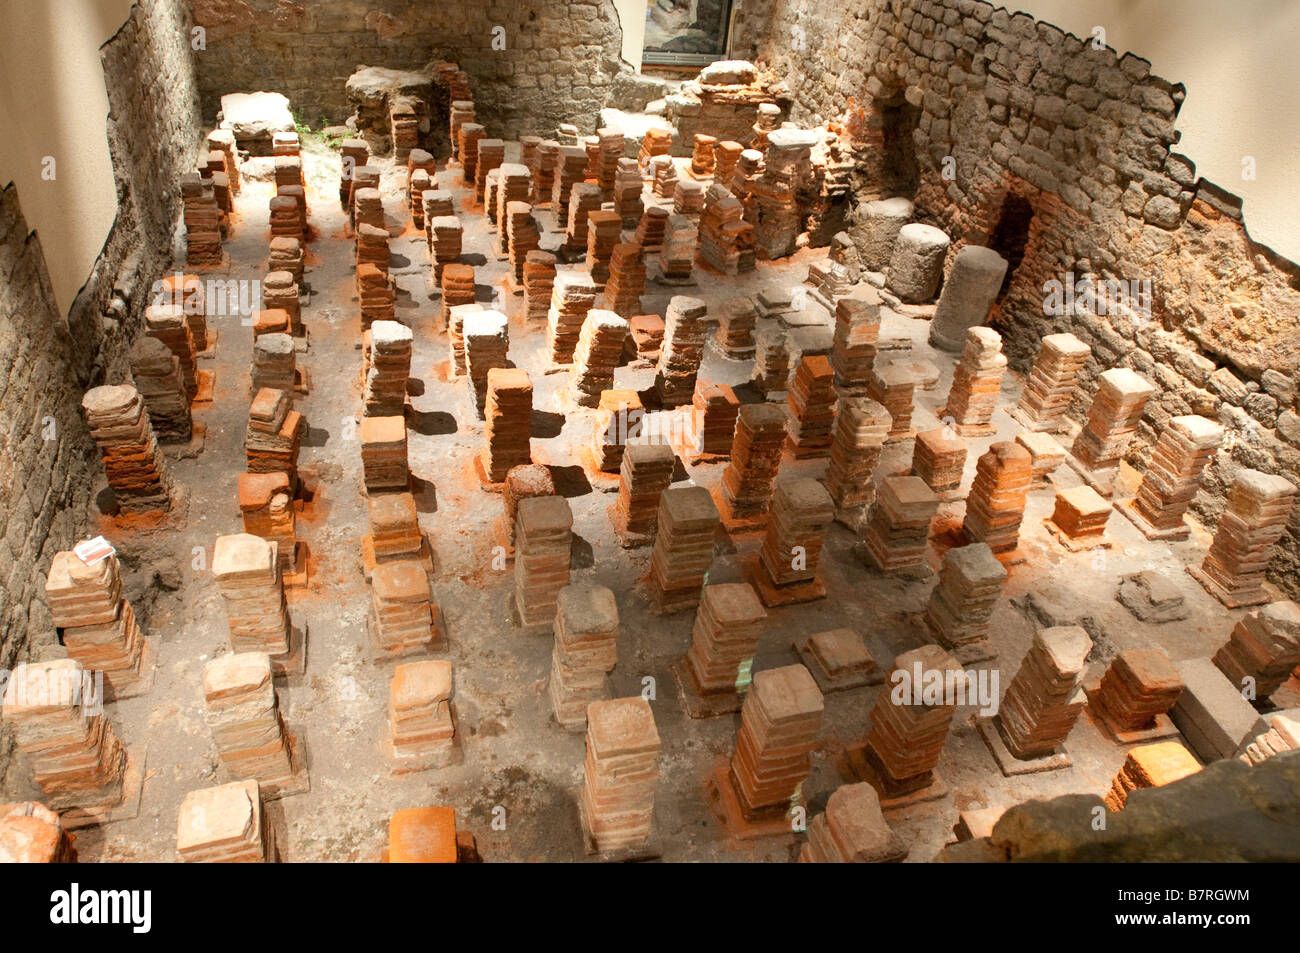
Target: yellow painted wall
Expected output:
[1241,68]
[53,103]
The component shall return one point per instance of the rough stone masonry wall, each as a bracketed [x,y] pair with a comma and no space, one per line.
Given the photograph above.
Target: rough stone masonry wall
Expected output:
[1083,138]
[48,464]
[558,64]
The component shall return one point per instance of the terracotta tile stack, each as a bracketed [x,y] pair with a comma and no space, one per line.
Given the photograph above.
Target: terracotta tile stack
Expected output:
[1283,735]
[726,239]
[771,361]
[976,382]
[724,638]
[1262,651]
[223,140]
[938,458]
[683,551]
[167,323]
[586,648]
[1138,688]
[857,330]
[529,158]
[275,363]
[388,366]
[365,202]
[683,349]
[610,149]
[1112,420]
[620,774]
[655,142]
[646,473]
[188,292]
[570,167]
[420,182]
[786,167]
[543,540]
[515,185]
[286,143]
[279,290]
[421,718]
[627,193]
[523,483]
[626,281]
[584,199]
[651,230]
[755,457]
[247,571]
[286,216]
[662,173]
[906,740]
[486,336]
[288,168]
[688,197]
[592,146]
[539,283]
[428,835]
[383,454]
[273,435]
[202,220]
[405,126]
[372,246]
[1051,383]
[735,335]
[853,830]
[898,524]
[266,505]
[995,505]
[242,712]
[456,316]
[225,825]
[603,231]
[97,625]
[801,512]
[1080,514]
[618,418]
[394,530]
[779,724]
[402,612]
[270,321]
[713,415]
[491,194]
[457,290]
[1258,507]
[748,168]
[894,386]
[1150,766]
[468,138]
[509,412]
[857,441]
[375,292]
[353,153]
[600,346]
[74,752]
[286,255]
[156,372]
[1044,699]
[460,112]
[702,156]
[548,159]
[810,409]
[133,461]
[961,605]
[522,239]
[677,251]
[1047,455]
[1173,475]
[572,296]
[647,336]
[437,203]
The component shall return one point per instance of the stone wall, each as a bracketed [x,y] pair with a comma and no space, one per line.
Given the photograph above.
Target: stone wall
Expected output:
[557,66]
[1068,149]
[48,360]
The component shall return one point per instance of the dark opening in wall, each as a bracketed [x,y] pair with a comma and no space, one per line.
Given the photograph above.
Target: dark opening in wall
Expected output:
[900,172]
[1011,234]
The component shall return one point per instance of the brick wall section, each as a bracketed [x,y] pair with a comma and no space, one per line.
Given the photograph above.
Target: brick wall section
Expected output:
[1083,136]
[558,64]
